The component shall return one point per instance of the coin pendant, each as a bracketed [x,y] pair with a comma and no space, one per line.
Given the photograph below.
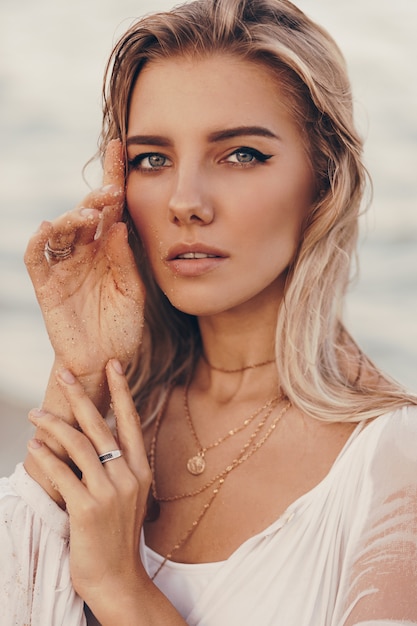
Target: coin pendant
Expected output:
[196,465]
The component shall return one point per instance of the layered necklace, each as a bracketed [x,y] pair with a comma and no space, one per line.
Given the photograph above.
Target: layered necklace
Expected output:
[196,465]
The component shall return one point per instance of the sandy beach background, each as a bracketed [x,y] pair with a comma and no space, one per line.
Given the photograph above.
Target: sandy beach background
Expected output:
[52,57]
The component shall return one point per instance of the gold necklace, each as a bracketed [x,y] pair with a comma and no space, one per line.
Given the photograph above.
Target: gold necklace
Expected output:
[244,455]
[252,366]
[197,463]
[235,463]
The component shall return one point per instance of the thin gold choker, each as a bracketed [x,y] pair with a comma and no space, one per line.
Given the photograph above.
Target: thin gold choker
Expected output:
[252,366]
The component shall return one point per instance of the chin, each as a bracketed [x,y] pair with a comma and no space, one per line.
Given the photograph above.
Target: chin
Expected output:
[200,309]
[209,304]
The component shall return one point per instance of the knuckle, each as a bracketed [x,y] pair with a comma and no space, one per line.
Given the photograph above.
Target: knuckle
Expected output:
[105,497]
[130,485]
[86,510]
[49,422]
[145,476]
[81,443]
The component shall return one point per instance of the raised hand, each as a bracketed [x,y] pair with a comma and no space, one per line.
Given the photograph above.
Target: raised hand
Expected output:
[86,280]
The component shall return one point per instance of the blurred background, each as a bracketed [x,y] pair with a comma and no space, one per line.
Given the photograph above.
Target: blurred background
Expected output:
[52,58]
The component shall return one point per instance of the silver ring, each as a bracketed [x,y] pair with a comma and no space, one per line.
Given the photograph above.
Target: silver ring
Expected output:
[58,255]
[109,456]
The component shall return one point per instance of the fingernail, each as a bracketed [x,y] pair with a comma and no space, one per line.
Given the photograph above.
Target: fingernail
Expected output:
[99,229]
[35,413]
[111,188]
[66,376]
[35,444]
[90,213]
[117,366]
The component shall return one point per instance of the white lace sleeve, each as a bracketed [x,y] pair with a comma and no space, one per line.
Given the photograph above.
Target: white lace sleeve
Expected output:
[382,587]
[35,584]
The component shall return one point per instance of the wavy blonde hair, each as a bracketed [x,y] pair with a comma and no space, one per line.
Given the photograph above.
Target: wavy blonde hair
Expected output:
[320,368]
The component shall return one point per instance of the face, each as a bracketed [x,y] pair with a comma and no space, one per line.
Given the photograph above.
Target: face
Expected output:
[219,182]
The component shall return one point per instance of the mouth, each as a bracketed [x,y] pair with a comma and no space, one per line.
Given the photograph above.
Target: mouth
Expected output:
[196,255]
[194,251]
[192,260]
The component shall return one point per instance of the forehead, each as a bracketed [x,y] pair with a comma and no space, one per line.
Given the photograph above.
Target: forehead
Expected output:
[220,89]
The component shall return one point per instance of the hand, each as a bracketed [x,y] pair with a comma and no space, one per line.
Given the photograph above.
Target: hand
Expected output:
[92,302]
[107,507]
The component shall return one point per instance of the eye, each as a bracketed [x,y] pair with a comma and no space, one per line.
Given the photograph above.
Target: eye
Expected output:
[148,161]
[247,156]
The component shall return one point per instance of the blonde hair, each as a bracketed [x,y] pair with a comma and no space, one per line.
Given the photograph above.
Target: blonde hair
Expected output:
[320,368]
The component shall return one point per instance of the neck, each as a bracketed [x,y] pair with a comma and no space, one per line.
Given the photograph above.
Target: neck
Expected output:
[240,337]
[234,341]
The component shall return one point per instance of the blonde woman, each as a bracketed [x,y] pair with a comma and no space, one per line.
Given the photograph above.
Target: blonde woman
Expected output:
[272,476]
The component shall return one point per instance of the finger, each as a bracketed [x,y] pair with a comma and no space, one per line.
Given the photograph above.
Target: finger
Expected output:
[109,216]
[35,260]
[108,195]
[58,473]
[114,164]
[129,430]
[80,225]
[88,417]
[78,447]
[113,179]
[74,227]
[99,435]
[77,226]
[122,261]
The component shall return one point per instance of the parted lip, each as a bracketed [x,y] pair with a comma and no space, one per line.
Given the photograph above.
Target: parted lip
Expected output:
[200,248]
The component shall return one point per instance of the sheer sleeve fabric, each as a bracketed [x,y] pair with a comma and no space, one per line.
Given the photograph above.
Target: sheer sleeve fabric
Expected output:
[35,582]
[382,585]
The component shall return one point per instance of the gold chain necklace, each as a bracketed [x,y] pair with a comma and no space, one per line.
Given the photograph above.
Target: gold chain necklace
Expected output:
[235,463]
[197,463]
[243,456]
[252,366]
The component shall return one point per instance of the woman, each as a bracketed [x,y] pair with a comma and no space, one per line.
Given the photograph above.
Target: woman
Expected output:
[273,480]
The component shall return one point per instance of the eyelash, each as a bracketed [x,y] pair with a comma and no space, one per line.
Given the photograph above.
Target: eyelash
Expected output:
[135,163]
[260,157]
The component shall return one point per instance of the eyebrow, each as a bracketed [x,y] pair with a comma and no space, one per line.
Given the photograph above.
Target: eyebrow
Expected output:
[214,137]
[230,133]
[152,140]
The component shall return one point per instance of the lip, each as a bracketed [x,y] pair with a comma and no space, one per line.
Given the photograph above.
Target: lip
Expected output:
[191,267]
[185,248]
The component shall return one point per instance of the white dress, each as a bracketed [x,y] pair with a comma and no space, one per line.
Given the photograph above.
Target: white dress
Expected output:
[343,554]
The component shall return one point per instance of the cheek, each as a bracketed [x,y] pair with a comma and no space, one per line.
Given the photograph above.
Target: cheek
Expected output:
[139,201]
[274,208]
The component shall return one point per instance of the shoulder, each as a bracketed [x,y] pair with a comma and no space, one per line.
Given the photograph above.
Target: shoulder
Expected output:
[399,426]
[389,447]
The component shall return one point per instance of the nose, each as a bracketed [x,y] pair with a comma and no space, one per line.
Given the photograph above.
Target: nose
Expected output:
[189,203]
